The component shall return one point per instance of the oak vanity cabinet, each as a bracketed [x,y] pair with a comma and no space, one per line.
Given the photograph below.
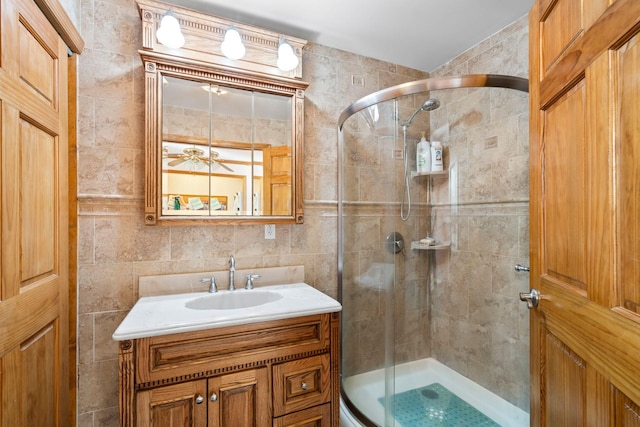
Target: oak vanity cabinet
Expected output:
[278,373]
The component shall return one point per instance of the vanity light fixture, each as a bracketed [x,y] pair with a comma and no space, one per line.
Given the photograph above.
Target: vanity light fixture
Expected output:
[169,32]
[287,60]
[232,46]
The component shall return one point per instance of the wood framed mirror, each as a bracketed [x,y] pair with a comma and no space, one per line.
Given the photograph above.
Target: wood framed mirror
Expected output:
[223,138]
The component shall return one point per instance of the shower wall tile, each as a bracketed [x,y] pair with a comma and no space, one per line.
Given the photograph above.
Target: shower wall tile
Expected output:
[495,234]
[475,294]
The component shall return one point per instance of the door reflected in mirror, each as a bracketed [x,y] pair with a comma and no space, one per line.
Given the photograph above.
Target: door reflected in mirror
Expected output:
[225,151]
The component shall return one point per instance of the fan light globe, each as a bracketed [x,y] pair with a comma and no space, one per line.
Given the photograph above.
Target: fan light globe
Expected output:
[169,33]
[287,60]
[232,46]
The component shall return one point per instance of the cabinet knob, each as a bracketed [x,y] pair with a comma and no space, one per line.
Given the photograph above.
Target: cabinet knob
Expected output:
[304,386]
[214,397]
[199,399]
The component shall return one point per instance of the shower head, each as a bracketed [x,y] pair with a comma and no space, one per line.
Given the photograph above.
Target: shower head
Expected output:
[429,105]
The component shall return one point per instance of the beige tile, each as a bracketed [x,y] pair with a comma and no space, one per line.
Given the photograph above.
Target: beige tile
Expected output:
[106,348]
[85,419]
[120,32]
[85,338]
[86,121]
[105,171]
[105,287]
[254,244]
[106,75]
[86,240]
[200,242]
[119,124]
[123,239]
[108,417]
[97,386]
[318,235]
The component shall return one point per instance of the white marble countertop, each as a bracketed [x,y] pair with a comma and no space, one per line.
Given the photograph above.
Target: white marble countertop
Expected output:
[168,314]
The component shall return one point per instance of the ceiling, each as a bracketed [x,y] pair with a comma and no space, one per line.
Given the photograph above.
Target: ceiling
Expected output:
[420,34]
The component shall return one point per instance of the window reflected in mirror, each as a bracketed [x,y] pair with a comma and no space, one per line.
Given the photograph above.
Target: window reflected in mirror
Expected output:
[225,151]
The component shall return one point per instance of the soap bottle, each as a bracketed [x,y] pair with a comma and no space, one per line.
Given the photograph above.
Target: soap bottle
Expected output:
[436,156]
[423,155]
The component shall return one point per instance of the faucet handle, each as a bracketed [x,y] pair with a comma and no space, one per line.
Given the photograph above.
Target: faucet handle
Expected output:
[250,278]
[213,287]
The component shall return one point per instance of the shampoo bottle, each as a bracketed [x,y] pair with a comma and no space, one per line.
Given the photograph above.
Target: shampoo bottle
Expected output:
[423,155]
[436,156]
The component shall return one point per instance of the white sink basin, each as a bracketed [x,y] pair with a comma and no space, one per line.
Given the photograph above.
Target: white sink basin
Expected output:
[170,314]
[233,300]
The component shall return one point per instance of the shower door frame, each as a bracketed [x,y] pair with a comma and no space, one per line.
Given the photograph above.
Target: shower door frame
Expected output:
[391,93]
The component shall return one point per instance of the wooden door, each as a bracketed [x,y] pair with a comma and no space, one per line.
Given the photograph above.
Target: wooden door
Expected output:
[34,356]
[241,399]
[585,212]
[277,180]
[177,405]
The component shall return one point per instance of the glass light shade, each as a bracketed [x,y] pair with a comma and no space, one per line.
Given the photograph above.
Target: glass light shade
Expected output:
[169,33]
[232,46]
[287,60]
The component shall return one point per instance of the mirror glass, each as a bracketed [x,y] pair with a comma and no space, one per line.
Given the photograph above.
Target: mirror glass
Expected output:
[225,151]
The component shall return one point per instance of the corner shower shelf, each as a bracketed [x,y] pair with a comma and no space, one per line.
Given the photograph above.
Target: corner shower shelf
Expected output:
[415,174]
[422,247]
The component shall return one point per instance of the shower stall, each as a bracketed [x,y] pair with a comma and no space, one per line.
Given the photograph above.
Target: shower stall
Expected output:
[433,332]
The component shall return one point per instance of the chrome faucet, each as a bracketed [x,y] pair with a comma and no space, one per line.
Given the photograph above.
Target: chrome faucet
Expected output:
[213,286]
[232,272]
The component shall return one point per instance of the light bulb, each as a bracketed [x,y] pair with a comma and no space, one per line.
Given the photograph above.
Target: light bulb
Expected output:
[287,60]
[232,46]
[169,33]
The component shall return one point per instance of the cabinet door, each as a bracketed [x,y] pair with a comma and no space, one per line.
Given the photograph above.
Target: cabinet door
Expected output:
[178,405]
[241,399]
[318,416]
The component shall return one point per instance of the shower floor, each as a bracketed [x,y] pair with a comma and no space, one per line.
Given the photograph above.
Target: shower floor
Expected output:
[466,402]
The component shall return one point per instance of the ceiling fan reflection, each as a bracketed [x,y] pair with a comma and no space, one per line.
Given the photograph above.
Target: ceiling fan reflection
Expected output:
[196,157]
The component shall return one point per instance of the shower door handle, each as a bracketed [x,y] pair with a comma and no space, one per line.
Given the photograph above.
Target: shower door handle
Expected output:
[532,298]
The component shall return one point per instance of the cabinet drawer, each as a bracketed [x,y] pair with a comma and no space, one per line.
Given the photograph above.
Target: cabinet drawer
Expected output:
[318,416]
[300,384]
[206,353]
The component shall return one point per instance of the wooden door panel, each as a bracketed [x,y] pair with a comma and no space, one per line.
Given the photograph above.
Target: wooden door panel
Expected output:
[243,399]
[561,26]
[38,379]
[31,393]
[564,384]
[626,73]
[38,61]
[38,183]
[564,187]
[627,412]
[173,405]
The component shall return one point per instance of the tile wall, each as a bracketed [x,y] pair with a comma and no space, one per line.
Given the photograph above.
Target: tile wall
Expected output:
[115,247]
[478,325]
